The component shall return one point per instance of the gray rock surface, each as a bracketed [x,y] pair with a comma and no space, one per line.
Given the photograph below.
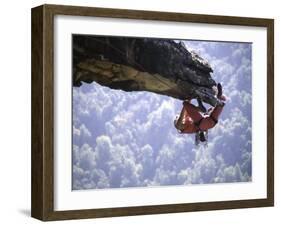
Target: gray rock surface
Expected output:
[142,64]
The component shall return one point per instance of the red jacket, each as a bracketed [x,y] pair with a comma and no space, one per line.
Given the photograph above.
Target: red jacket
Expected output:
[194,121]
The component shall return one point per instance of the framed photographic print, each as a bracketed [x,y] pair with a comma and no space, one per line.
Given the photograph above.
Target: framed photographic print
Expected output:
[141,112]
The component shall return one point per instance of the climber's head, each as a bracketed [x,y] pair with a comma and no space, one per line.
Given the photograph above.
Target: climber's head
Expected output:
[201,137]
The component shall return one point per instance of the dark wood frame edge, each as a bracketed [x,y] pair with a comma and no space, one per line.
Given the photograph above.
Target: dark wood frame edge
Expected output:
[42,197]
[36,113]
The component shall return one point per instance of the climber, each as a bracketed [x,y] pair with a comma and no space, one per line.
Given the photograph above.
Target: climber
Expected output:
[195,119]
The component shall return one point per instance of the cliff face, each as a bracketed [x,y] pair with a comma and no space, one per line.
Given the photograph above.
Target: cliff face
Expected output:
[140,64]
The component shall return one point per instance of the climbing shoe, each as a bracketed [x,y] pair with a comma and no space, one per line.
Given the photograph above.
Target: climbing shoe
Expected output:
[219,90]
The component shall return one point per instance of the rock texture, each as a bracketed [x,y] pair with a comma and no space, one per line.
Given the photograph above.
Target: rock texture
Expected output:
[140,64]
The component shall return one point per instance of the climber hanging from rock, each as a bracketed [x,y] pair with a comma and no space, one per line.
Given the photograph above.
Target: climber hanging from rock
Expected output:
[197,120]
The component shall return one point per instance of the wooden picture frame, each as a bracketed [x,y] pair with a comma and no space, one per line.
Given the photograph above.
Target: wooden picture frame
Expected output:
[42,203]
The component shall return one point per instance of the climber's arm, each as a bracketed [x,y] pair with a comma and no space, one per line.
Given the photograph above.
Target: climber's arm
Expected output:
[210,121]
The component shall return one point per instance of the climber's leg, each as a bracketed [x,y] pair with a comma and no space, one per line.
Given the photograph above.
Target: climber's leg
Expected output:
[179,122]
